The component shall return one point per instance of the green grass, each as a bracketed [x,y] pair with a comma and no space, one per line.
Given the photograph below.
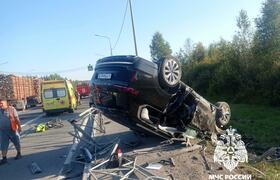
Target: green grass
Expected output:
[262,123]
[271,169]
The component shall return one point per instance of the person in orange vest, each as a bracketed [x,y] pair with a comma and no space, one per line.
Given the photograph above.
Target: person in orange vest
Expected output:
[9,130]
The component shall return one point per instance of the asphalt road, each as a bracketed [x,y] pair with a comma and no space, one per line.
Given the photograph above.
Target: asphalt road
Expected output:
[48,149]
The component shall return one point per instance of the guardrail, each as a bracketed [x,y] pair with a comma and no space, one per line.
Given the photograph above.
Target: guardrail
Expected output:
[83,129]
[99,159]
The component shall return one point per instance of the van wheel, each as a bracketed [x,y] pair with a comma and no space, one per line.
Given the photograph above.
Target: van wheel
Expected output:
[71,110]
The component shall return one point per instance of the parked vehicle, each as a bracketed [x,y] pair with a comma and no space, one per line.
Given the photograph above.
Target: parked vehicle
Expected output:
[19,105]
[83,89]
[153,96]
[31,101]
[58,96]
[17,89]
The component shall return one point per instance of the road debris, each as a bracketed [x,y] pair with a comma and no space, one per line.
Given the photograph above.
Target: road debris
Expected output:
[102,160]
[171,176]
[273,154]
[102,156]
[81,134]
[40,128]
[34,168]
[202,153]
[155,166]
[55,123]
[169,161]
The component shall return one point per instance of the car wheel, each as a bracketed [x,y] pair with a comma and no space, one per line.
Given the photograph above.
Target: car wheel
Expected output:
[223,114]
[170,73]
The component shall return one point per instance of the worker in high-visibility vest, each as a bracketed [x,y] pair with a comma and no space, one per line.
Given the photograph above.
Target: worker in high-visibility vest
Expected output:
[9,130]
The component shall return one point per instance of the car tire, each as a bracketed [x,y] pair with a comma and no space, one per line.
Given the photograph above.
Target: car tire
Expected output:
[170,73]
[223,114]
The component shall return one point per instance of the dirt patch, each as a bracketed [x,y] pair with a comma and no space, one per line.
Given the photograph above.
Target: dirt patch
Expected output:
[188,165]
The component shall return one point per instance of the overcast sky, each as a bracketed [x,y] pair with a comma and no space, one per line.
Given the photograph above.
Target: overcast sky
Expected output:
[44,36]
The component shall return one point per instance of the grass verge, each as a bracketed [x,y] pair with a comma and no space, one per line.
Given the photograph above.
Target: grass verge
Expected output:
[260,127]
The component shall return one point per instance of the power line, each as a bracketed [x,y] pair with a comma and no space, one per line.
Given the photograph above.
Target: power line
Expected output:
[2,63]
[45,73]
[120,32]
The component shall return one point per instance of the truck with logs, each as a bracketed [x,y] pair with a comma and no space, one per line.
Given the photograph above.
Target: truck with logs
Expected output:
[22,92]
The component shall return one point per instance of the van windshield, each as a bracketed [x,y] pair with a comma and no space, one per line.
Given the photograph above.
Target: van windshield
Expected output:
[54,93]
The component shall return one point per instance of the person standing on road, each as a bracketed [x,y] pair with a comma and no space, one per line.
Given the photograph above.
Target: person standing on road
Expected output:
[9,130]
[78,97]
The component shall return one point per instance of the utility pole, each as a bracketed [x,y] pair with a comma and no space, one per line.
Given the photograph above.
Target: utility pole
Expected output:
[133,29]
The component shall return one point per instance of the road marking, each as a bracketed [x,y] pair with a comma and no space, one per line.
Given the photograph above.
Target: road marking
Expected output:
[32,120]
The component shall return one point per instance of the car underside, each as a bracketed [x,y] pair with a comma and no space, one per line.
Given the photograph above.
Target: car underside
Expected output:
[152,96]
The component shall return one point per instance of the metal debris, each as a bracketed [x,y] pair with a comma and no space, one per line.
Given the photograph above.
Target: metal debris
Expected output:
[202,152]
[34,168]
[273,153]
[155,166]
[169,161]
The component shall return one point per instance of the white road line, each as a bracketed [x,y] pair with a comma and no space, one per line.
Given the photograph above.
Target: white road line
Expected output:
[31,121]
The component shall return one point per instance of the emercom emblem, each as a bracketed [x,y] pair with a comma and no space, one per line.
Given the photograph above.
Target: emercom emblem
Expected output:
[230,150]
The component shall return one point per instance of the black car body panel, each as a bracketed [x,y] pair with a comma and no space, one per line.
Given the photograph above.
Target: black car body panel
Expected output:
[131,85]
[131,77]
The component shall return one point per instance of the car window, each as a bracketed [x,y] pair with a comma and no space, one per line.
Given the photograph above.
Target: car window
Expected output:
[48,93]
[60,92]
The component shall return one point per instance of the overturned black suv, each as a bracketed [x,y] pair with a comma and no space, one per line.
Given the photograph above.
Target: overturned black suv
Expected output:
[153,97]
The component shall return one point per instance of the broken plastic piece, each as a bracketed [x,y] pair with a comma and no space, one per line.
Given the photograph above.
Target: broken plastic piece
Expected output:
[35,169]
[155,166]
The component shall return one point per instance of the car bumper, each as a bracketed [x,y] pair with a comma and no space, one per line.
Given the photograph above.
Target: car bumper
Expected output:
[49,111]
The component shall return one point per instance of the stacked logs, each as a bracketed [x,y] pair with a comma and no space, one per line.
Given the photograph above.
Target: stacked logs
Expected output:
[18,88]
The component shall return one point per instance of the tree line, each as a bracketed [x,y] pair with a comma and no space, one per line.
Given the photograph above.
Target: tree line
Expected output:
[245,69]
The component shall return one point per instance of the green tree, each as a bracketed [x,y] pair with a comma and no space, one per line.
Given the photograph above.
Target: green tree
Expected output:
[184,54]
[267,51]
[267,38]
[243,37]
[54,76]
[198,53]
[159,47]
